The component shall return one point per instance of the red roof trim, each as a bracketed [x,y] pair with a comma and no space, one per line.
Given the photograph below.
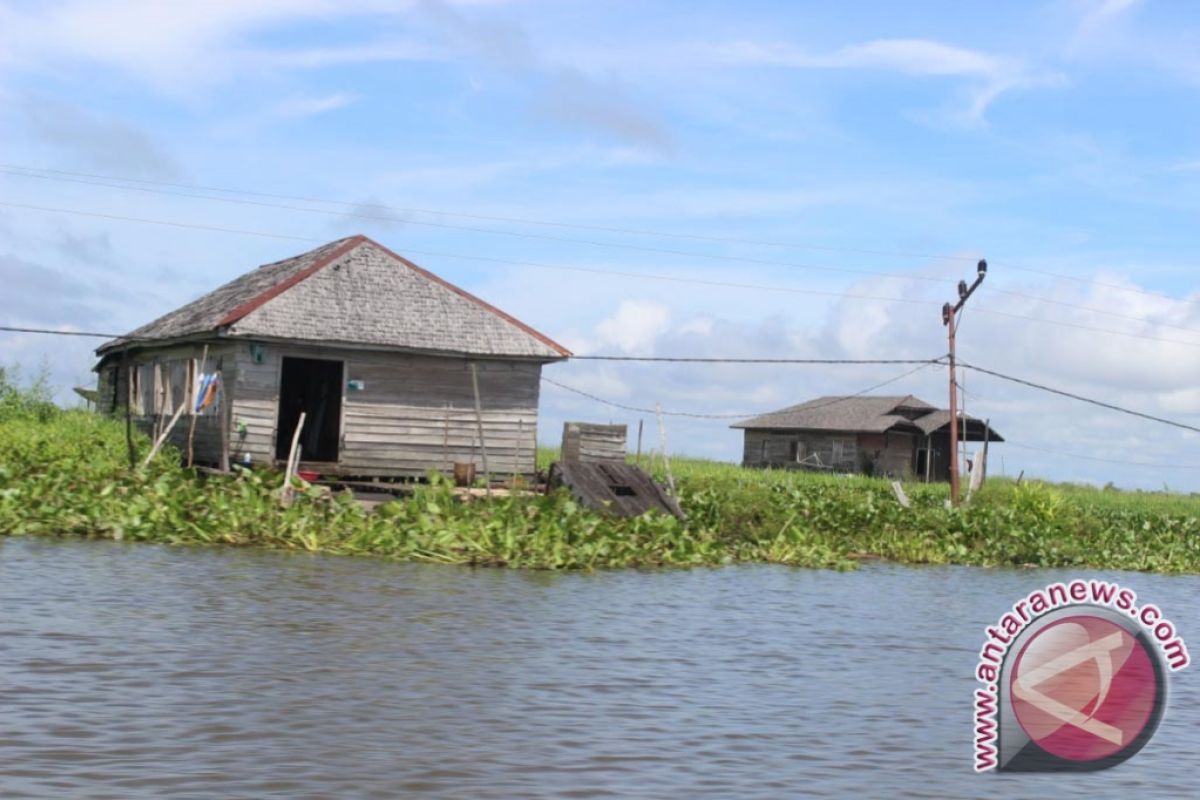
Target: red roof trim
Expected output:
[464,293]
[283,286]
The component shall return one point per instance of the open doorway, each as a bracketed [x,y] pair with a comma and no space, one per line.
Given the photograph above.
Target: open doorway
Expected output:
[312,386]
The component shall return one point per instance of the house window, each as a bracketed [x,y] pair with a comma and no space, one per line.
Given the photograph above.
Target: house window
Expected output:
[796,450]
[839,449]
[762,451]
[146,388]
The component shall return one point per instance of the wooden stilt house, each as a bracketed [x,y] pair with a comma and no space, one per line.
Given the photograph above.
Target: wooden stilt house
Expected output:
[897,437]
[396,371]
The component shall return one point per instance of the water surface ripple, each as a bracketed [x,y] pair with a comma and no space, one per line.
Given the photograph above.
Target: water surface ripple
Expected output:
[137,671]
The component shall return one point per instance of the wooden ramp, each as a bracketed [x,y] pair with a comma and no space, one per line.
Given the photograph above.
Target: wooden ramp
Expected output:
[612,487]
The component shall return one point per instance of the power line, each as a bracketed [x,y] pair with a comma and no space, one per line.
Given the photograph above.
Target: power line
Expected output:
[695,415]
[493,231]
[675,279]
[1081,398]
[533,264]
[168,223]
[921,364]
[11,329]
[29,171]
[1054,451]
[1093,309]
[674,359]
[61,175]
[640,410]
[737,360]
[557,267]
[1078,326]
[1120,461]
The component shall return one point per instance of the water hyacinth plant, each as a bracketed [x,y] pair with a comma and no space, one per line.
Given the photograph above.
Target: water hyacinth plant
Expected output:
[66,473]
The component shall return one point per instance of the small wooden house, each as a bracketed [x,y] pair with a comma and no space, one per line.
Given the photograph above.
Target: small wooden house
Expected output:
[396,371]
[886,436]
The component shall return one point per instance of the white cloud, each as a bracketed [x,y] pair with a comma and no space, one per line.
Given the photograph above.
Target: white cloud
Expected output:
[1097,20]
[179,47]
[634,327]
[311,106]
[991,75]
[1140,373]
[357,53]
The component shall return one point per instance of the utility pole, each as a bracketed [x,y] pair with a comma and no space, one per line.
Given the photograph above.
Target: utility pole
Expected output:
[950,320]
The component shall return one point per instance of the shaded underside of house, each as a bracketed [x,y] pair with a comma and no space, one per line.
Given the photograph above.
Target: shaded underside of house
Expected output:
[395,371]
[895,436]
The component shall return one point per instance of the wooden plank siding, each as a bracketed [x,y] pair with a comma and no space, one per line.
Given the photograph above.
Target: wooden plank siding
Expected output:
[156,405]
[583,441]
[414,413]
[835,450]
[889,454]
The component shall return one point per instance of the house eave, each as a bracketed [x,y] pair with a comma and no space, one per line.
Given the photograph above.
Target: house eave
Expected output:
[109,349]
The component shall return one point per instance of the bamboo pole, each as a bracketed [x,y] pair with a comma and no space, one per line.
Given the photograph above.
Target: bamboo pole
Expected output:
[293,462]
[517,450]
[928,455]
[446,439]
[129,409]
[487,476]
[638,458]
[987,430]
[224,410]
[192,394]
[662,435]
[162,437]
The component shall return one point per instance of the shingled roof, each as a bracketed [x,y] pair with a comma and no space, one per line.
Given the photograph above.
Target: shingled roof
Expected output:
[864,414]
[840,413]
[352,291]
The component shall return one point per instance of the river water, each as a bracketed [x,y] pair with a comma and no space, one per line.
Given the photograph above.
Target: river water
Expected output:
[139,671]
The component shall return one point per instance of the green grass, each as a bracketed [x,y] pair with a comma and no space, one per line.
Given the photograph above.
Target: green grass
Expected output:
[65,473]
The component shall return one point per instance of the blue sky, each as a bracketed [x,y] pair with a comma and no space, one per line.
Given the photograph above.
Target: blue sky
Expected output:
[815,145]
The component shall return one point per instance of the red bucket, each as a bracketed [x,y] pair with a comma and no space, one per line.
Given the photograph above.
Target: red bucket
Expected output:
[308,475]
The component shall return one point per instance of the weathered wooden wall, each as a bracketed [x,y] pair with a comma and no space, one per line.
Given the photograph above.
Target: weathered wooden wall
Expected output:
[415,413]
[890,454]
[587,442]
[835,450]
[158,402]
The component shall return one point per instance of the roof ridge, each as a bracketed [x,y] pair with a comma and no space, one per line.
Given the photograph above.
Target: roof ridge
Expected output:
[541,337]
[349,243]
[235,302]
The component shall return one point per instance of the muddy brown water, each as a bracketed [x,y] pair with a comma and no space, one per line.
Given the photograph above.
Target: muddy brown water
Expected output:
[139,671]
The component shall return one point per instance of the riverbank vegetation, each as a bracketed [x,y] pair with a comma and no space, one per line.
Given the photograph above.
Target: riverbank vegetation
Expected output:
[66,473]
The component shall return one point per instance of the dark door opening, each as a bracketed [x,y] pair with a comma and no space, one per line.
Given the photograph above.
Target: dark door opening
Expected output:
[312,386]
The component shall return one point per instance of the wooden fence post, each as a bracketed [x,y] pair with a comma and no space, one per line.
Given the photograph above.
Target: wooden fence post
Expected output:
[129,409]
[446,438]
[194,384]
[662,435]
[487,476]
[638,458]
[223,414]
[293,462]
